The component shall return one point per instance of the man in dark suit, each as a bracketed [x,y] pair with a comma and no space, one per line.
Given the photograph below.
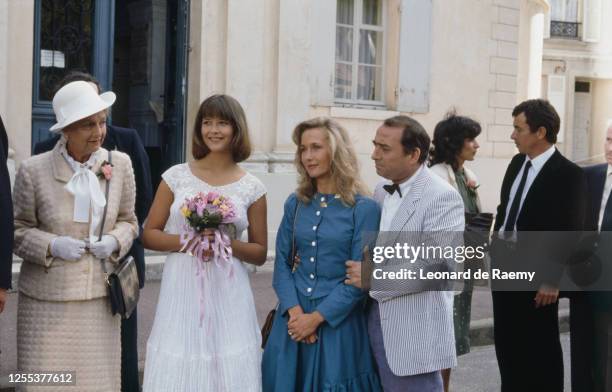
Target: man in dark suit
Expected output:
[125,140]
[6,220]
[541,192]
[599,219]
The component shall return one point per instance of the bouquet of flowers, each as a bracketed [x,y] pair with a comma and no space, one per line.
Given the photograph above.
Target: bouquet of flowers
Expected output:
[203,213]
[208,211]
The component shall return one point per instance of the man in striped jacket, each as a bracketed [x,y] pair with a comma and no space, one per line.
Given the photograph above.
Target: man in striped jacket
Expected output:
[410,321]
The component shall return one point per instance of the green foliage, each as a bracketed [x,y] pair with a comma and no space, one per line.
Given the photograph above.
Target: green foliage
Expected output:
[207,221]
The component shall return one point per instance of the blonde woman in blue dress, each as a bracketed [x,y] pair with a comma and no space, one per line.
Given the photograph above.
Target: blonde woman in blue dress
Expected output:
[319,338]
[222,353]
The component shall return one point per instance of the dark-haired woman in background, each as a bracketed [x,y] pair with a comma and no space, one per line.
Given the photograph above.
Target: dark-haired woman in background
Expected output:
[454,142]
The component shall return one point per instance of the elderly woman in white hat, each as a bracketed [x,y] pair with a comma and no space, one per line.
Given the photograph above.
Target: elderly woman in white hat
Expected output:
[64,320]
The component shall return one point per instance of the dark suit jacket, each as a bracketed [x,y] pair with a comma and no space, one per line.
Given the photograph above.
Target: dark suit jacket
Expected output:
[556,202]
[596,180]
[125,140]
[6,214]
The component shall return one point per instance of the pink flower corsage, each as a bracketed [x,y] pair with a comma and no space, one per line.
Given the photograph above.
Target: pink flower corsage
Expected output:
[106,170]
[472,186]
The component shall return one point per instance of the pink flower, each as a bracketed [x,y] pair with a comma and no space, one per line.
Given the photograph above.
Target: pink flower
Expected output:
[106,170]
[471,187]
[191,204]
[200,206]
[212,196]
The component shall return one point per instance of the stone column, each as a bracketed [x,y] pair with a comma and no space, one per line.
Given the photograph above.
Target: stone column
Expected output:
[16,59]
[531,46]
[294,51]
[245,64]
[503,66]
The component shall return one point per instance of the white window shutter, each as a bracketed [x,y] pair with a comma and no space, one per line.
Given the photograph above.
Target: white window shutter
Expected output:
[547,17]
[323,52]
[415,56]
[592,20]
[556,97]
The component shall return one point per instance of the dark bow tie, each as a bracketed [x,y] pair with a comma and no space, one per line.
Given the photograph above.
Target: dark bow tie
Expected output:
[392,188]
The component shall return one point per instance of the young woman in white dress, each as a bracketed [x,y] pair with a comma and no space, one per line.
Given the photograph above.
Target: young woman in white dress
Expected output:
[205,336]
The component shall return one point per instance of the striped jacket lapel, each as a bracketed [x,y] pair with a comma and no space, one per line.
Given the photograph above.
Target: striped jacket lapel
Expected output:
[405,210]
[408,206]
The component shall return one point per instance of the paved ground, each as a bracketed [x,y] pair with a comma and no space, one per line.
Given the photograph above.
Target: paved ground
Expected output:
[476,372]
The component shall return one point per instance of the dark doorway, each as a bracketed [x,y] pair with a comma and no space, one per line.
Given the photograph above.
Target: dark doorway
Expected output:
[68,35]
[149,76]
[137,48]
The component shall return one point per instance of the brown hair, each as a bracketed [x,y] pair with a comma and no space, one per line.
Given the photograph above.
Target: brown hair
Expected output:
[344,164]
[226,108]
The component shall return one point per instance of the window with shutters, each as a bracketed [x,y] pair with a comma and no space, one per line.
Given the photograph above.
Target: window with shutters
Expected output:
[359,54]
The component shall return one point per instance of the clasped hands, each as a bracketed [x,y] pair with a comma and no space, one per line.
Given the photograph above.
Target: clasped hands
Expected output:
[71,249]
[210,234]
[302,327]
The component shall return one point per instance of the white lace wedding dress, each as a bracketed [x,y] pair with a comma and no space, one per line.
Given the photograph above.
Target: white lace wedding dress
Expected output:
[221,353]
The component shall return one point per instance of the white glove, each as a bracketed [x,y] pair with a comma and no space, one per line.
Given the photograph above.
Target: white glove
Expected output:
[105,247]
[67,248]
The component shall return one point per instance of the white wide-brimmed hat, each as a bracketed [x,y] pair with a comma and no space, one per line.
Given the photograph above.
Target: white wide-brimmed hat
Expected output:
[76,101]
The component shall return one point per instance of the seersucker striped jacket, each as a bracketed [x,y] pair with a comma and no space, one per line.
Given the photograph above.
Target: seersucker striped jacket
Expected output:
[417,323]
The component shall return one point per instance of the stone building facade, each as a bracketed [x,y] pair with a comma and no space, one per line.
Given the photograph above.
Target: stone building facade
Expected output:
[358,61]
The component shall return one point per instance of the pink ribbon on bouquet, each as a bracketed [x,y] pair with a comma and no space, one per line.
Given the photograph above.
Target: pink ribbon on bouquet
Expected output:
[222,254]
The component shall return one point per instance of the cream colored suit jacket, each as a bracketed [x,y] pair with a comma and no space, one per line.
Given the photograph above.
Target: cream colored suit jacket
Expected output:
[446,172]
[44,210]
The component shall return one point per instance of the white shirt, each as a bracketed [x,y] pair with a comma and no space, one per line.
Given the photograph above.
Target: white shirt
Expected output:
[89,200]
[536,165]
[392,202]
[605,195]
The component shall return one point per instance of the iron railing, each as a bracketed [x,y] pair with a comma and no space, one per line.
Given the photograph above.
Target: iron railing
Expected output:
[567,30]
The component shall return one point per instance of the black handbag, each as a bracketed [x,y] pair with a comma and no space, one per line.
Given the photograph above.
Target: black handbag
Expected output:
[267,326]
[478,228]
[123,284]
[477,234]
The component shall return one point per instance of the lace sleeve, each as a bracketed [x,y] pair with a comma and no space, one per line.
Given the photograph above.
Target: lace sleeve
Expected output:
[256,189]
[170,176]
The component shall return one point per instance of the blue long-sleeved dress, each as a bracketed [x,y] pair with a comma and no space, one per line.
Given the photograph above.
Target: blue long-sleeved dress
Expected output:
[328,233]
